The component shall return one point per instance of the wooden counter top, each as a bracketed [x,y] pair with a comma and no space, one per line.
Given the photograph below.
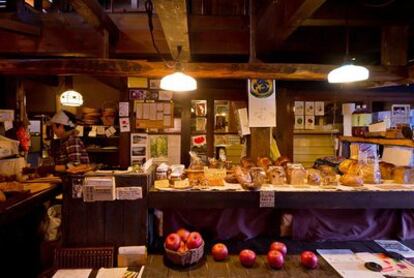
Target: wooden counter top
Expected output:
[282,199]
[18,203]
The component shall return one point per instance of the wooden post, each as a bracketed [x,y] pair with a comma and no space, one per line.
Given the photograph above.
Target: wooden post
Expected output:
[124,137]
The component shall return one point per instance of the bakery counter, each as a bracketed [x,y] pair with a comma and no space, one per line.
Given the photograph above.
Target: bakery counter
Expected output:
[18,204]
[385,196]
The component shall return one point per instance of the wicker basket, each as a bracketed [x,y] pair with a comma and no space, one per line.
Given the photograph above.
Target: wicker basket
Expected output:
[192,256]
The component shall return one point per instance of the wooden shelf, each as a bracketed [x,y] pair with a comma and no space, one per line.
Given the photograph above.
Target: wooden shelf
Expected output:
[316,131]
[379,141]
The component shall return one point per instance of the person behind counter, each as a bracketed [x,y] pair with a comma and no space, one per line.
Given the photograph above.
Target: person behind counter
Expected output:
[71,150]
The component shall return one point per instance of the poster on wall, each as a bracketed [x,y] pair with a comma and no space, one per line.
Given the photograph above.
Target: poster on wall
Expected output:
[262,103]
[158,148]
[138,148]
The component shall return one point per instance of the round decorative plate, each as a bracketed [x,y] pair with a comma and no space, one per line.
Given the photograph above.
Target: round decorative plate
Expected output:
[261,88]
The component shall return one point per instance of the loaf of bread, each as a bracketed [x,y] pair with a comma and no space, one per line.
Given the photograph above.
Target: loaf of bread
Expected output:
[264,162]
[314,176]
[295,174]
[387,170]
[276,175]
[282,161]
[403,175]
[347,165]
[351,180]
[242,175]
[246,162]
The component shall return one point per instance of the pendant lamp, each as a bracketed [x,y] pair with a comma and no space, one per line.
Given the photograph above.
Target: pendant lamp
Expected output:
[177,81]
[70,97]
[348,72]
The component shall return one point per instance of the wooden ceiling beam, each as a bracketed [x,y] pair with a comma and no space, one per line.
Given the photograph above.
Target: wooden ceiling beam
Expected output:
[117,68]
[173,17]
[19,27]
[93,13]
[333,22]
[296,12]
[394,45]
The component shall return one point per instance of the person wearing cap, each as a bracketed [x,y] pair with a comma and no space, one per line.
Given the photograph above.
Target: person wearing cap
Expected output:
[71,150]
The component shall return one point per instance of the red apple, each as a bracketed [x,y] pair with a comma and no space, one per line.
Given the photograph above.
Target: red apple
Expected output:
[247,257]
[279,246]
[183,247]
[172,241]
[183,233]
[275,259]
[219,251]
[194,240]
[309,259]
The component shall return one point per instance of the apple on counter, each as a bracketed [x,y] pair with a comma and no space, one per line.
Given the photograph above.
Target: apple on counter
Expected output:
[279,246]
[183,233]
[275,259]
[219,252]
[173,241]
[247,257]
[194,240]
[308,259]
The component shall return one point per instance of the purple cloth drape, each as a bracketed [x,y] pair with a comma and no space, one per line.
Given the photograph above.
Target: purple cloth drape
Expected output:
[224,223]
[311,224]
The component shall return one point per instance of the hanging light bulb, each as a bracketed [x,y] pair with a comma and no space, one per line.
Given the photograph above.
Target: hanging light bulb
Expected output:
[178,82]
[70,97]
[348,73]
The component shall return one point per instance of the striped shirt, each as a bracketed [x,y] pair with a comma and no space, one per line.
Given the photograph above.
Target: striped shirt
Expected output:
[72,150]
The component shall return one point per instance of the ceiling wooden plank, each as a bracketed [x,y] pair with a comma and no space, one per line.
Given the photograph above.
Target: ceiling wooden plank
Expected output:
[94,14]
[394,45]
[332,22]
[116,68]
[297,12]
[19,27]
[173,17]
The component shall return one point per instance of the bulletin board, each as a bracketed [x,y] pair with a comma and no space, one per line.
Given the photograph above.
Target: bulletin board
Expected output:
[154,114]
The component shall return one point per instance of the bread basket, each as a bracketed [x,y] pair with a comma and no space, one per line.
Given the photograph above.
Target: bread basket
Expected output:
[189,257]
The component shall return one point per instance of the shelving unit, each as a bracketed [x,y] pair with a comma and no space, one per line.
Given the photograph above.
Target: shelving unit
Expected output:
[379,141]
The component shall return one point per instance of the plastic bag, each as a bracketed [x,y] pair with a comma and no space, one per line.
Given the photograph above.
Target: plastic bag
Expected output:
[53,222]
[369,168]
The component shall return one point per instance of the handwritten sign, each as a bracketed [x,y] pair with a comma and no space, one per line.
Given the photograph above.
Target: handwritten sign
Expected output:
[267,199]
[129,193]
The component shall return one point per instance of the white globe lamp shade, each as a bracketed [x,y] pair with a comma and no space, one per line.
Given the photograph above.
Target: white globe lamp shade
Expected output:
[348,73]
[178,82]
[71,98]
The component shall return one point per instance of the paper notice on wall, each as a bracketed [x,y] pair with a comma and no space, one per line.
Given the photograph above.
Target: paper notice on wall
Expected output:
[124,109]
[174,149]
[244,121]
[262,103]
[267,199]
[8,125]
[124,124]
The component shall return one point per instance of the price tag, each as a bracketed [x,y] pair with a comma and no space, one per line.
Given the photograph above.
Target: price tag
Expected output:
[267,199]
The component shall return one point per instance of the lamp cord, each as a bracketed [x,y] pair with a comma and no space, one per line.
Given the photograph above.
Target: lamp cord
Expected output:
[149,7]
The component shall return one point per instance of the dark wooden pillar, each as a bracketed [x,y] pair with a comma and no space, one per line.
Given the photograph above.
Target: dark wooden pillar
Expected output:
[124,137]
[285,122]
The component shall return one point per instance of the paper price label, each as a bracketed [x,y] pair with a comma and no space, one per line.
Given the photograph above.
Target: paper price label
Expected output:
[267,199]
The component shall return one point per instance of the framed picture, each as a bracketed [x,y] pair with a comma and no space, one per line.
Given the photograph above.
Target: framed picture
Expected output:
[137,94]
[309,108]
[319,108]
[309,122]
[154,83]
[299,122]
[299,108]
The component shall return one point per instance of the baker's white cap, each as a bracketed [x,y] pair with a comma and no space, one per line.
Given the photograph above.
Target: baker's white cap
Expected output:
[61,118]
